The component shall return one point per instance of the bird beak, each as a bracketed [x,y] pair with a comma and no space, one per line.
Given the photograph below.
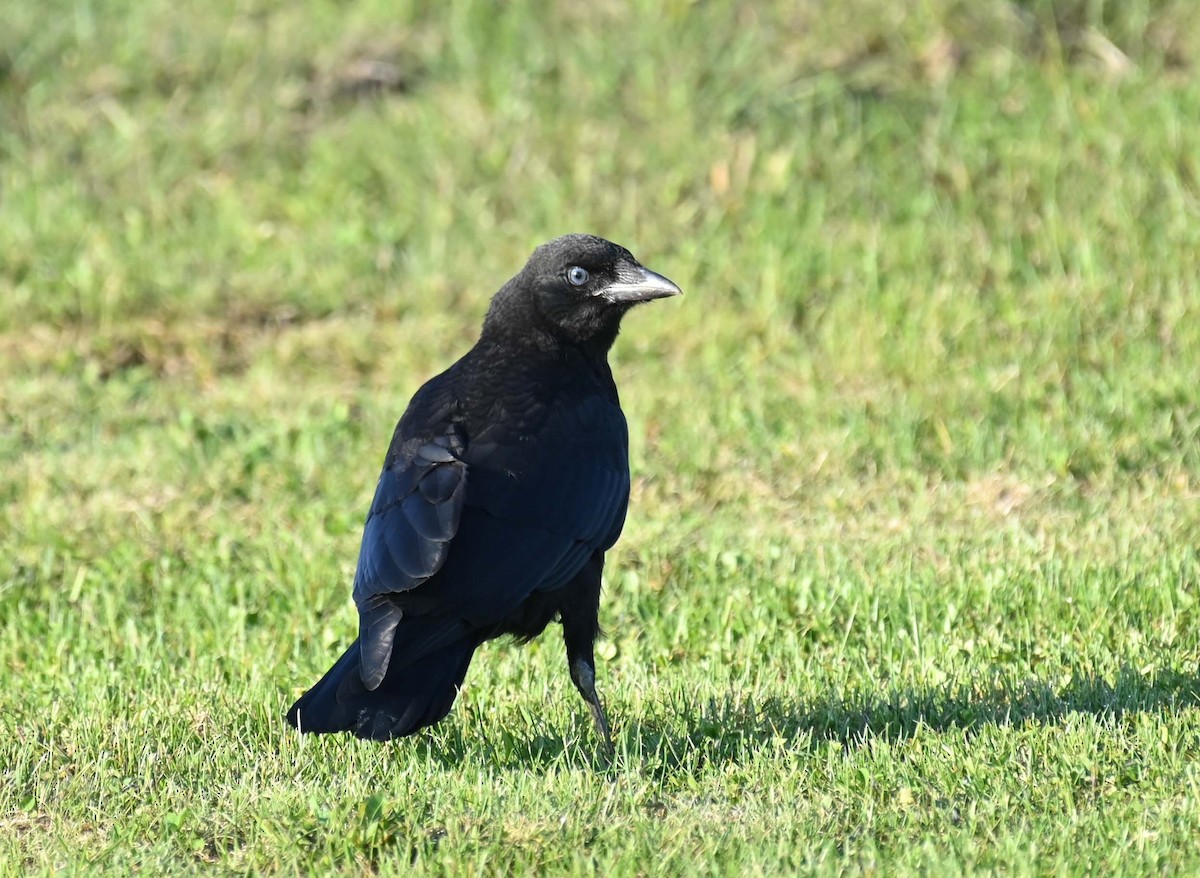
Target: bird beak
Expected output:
[638,285]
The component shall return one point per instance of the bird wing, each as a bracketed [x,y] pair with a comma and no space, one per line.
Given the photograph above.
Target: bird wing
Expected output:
[415,514]
[482,523]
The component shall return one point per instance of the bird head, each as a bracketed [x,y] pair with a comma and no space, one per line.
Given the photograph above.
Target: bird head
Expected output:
[577,288]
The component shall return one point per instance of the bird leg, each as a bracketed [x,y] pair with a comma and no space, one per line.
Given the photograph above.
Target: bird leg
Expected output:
[580,630]
[583,675]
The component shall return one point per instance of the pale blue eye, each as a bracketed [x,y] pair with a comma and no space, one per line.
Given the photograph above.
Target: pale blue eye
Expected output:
[577,276]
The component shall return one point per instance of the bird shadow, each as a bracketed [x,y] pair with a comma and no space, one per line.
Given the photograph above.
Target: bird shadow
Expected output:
[732,729]
[685,734]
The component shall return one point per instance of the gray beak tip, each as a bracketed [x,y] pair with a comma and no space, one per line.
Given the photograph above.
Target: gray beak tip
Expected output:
[649,285]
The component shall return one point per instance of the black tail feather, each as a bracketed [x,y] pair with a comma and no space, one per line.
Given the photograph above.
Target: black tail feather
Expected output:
[408,699]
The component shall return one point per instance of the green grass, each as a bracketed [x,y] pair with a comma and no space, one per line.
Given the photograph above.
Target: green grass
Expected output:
[910,580]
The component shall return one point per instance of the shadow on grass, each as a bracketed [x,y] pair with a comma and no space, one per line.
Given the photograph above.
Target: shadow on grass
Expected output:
[730,729]
[686,734]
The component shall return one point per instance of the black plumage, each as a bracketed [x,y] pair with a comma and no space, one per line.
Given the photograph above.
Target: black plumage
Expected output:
[506,481]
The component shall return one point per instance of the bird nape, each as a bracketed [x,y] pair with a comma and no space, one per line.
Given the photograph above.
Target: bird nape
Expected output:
[506,481]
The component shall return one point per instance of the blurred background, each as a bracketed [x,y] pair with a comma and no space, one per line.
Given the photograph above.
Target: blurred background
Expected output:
[918,448]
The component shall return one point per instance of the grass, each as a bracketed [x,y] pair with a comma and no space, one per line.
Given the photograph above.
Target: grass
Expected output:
[910,580]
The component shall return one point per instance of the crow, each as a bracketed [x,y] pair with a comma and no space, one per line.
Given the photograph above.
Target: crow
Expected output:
[506,481]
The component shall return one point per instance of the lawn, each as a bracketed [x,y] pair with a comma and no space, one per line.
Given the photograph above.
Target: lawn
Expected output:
[910,580]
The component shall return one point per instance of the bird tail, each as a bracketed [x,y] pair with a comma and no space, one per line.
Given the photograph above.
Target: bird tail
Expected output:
[408,699]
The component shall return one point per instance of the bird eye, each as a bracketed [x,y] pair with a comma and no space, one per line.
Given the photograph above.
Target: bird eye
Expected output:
[577,276]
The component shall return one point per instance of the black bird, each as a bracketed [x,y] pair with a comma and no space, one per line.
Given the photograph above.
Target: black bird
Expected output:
[506,482]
